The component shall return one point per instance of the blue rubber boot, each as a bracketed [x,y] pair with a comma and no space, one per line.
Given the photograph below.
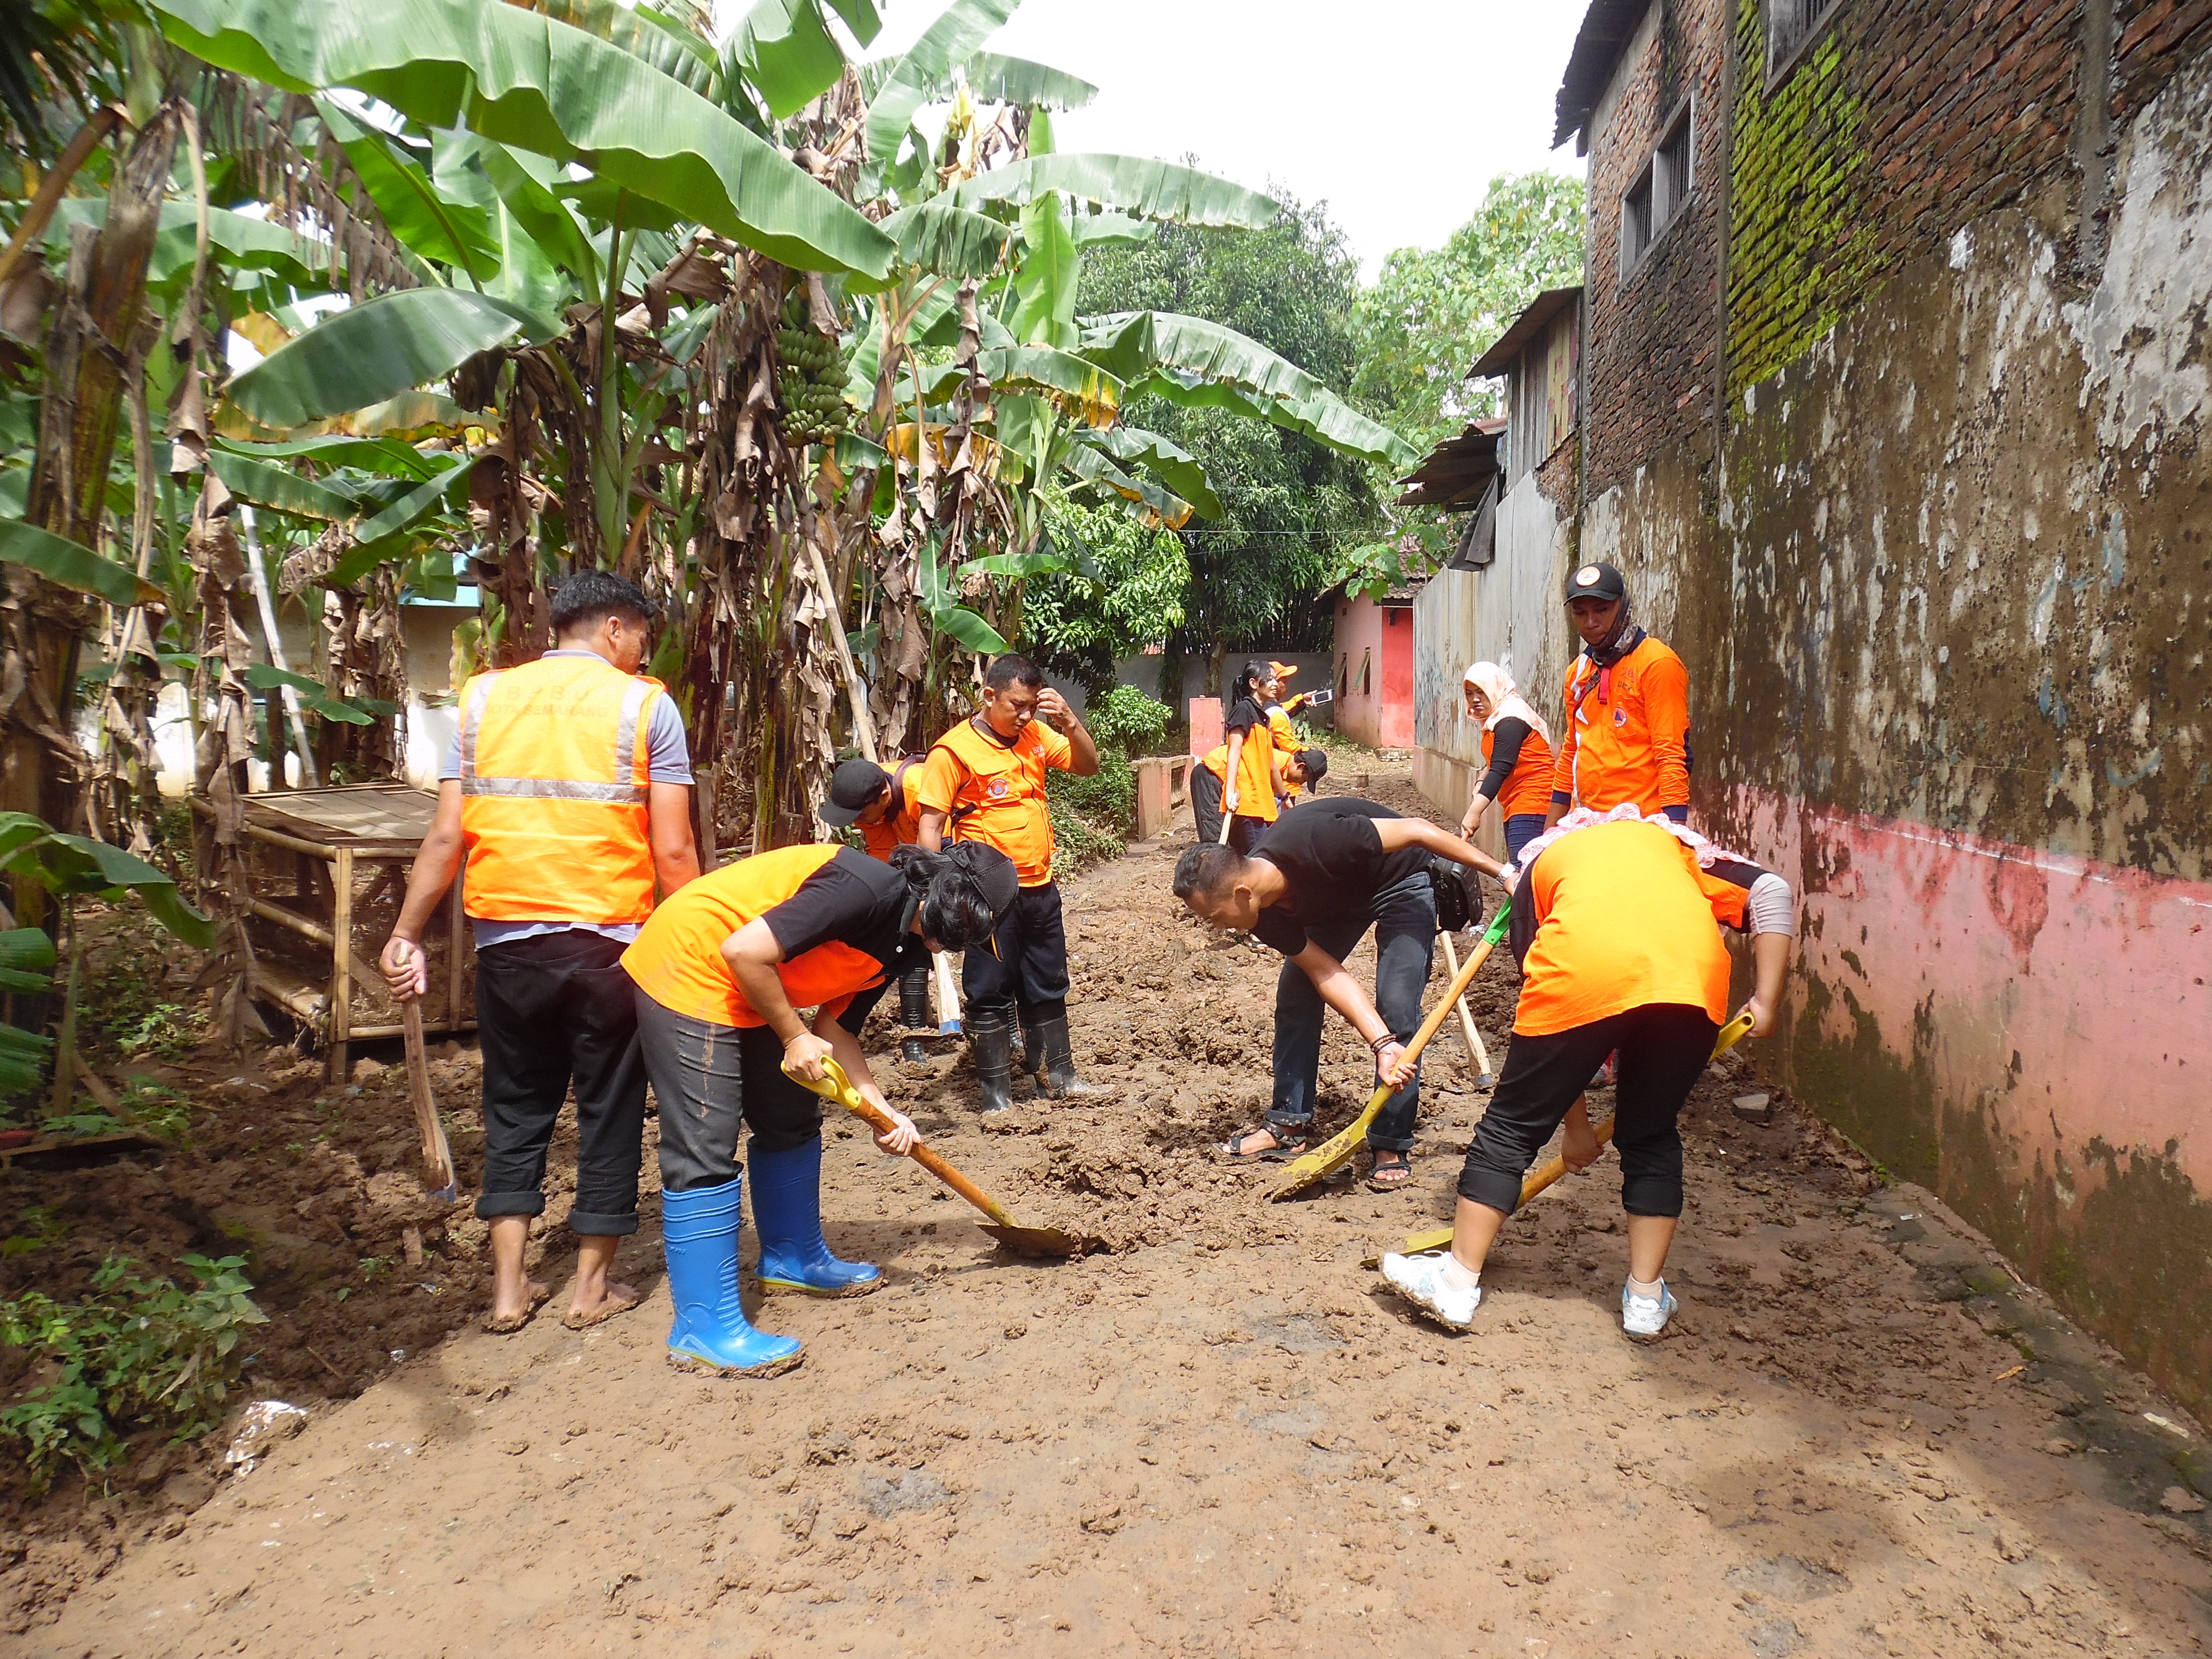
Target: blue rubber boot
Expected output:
[794,1258]
[710,1333]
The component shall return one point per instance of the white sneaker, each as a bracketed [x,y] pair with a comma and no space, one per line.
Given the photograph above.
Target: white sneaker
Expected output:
[1646,1315]
[1420,1279]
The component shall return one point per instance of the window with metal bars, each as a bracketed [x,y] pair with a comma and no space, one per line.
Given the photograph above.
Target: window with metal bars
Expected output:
[1661,189]
[1789,25]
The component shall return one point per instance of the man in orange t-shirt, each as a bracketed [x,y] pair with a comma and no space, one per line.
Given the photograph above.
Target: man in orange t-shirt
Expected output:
[1627,697]
[1614,920]
[985,781]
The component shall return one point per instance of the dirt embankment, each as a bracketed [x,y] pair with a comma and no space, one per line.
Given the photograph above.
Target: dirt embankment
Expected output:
[1859,1438]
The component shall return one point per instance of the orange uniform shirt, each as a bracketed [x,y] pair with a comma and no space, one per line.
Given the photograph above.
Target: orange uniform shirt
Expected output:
[901,825]
[1528,787]
[677,957]
[1627,729]
[1622,918]
[995,792]
[1255,778]
[1285,741]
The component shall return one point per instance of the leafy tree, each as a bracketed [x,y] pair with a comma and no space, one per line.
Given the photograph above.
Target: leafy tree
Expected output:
[1126,593]
[1289,503]
[1430,313]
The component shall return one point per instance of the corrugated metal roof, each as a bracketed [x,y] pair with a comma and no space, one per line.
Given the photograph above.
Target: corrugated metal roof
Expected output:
[1541,309]
[1454,474]
[1607,28]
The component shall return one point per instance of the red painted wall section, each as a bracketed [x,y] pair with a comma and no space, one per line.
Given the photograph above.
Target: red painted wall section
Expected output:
[2025,1032]
[1374,673]
[1205,727]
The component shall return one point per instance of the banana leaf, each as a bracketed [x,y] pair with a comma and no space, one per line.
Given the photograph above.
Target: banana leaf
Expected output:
[413,209]
[786,51]
[27,961]
[644,33]
[993,79]
[1156,504]
[385,455]
[957,35]
[946,240]
[72,565]
[526,79]
[262,484]
[1129,184]
[1176,467]
[68,865]
[377,349]
[1195,364]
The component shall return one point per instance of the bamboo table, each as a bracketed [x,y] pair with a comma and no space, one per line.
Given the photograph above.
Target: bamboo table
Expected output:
[323,842]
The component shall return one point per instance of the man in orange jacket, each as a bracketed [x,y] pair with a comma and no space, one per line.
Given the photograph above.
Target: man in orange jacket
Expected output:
[1627,697]
[568,789]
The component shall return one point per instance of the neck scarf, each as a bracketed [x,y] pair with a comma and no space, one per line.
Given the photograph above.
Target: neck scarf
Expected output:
[1625,638]
[1505,701]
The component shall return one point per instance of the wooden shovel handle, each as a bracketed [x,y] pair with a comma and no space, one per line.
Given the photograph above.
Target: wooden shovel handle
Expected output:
[1457,989]
[839,1087]
[1481,1054]
[437,1154]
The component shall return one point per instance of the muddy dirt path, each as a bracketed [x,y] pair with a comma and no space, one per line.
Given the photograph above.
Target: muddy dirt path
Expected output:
[1859,1438]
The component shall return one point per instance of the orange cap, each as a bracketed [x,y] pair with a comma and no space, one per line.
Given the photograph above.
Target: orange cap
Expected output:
[1282,671]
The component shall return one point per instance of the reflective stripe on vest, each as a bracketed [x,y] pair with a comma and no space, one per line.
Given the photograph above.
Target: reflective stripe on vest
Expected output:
[556,815]
[624,795]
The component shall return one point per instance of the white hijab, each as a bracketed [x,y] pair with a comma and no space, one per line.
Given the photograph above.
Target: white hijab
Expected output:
[1505,703]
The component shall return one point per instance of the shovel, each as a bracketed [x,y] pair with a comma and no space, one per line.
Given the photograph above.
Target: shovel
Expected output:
[1330,1156]
[1544,1174]
[948,999]
[1467,1020]
[1022,1241]
[437,1154]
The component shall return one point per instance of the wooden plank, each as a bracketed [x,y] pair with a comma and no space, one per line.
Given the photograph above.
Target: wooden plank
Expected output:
[341,964]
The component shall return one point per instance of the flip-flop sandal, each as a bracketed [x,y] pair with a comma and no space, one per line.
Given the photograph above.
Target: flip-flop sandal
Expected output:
[539,1296]
[1393,1172]
[1280,1152]
[608,1308]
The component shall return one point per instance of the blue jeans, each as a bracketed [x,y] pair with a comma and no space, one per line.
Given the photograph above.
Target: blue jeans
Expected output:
[1404,917]
[1520,829]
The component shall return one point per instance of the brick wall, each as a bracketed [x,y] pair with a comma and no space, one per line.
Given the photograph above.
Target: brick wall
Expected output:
[1900,124]
[1649,372]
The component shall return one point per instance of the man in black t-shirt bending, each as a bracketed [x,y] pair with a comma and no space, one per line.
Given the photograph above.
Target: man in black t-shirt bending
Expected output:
[1330,870]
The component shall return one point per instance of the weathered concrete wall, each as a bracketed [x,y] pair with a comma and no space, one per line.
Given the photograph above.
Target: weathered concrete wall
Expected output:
[1511,612]
[1946,624]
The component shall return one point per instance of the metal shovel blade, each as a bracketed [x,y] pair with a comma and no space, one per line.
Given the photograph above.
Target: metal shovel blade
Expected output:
[1042,1243]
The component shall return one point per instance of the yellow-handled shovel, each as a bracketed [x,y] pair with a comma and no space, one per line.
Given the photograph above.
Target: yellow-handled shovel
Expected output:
[1022,1241]
[1330,1156]
[1544,1174]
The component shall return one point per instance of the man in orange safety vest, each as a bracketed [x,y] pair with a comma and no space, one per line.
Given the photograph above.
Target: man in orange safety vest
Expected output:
[567,791]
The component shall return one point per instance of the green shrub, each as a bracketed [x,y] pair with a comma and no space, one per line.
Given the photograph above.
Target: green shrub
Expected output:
[1126,720]
[135,1354]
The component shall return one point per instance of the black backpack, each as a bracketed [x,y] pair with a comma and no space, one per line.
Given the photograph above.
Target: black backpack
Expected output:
[1459,894]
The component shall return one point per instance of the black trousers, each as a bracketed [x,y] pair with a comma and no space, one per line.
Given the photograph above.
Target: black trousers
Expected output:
[1663,1047]
[708,1081]
[1404,917]
[1206,797]
[1030,971]
[551,1009]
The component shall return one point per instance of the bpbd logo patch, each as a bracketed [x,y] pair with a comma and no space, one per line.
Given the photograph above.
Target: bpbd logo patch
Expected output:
[998,791]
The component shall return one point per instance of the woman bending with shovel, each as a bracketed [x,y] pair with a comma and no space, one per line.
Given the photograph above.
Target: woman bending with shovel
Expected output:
[721,970]
[1613,922]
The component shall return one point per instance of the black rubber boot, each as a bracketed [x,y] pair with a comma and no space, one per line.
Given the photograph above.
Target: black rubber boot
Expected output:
[913,1015]
[992,1043]
[1059,1078]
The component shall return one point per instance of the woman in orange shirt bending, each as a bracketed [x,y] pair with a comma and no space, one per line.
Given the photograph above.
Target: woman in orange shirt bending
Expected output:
[721,970]
[1614,920]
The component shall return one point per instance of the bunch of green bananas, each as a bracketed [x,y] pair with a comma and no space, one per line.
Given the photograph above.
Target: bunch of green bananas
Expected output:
[810,380]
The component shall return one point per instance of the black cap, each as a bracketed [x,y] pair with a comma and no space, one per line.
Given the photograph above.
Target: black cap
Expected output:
[993,873]
[854,787]
[1597,581]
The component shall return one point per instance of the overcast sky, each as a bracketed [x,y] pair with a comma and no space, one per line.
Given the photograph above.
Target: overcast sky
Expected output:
[1399,112]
